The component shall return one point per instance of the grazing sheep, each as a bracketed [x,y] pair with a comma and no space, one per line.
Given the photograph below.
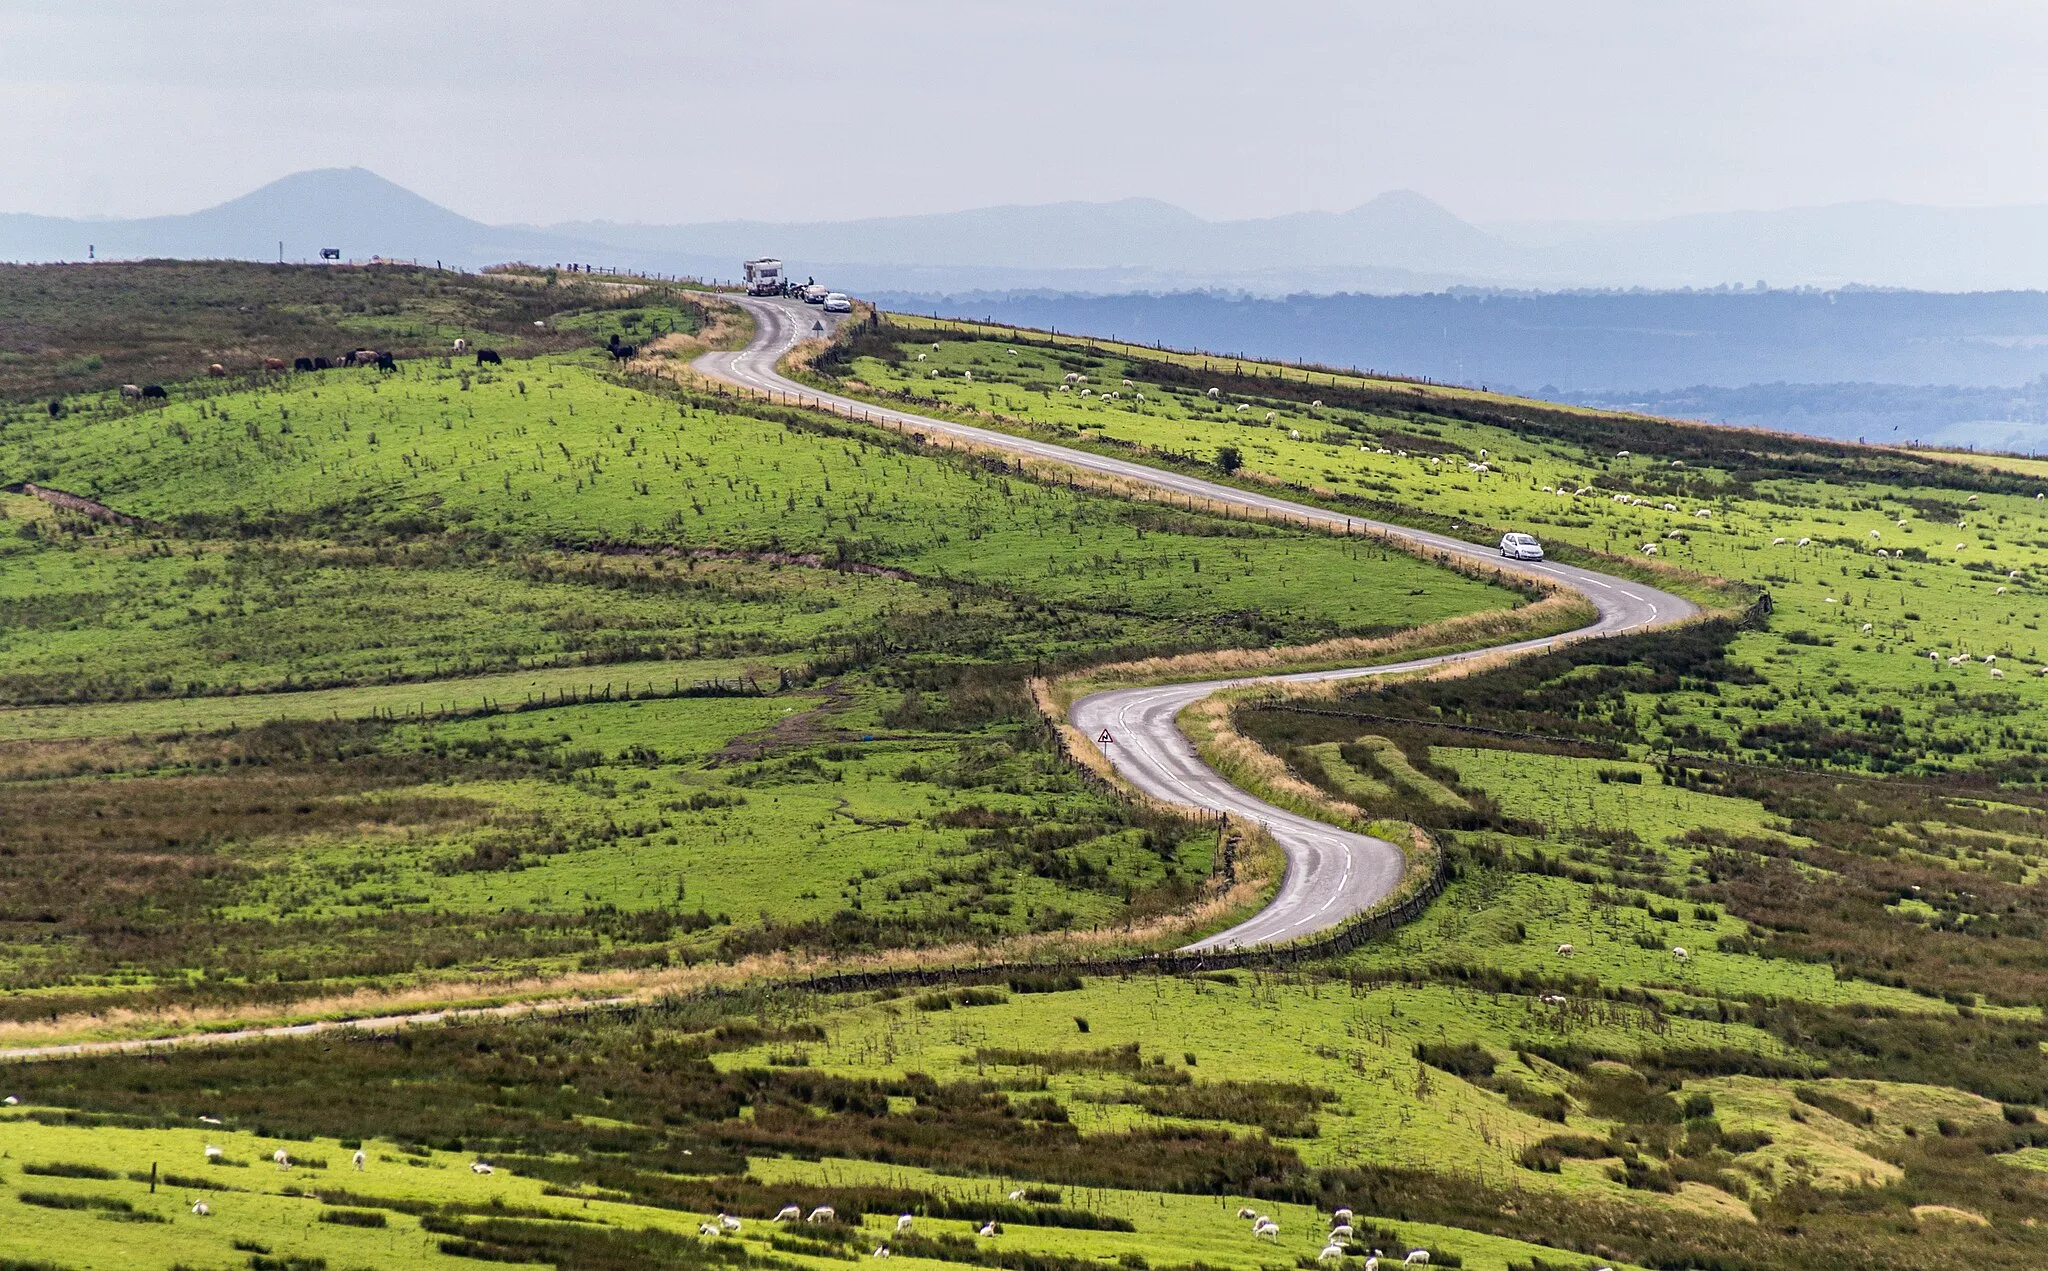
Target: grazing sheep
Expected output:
[1959,659]
[1331,1253]
[1420,1257]
[200,1209]
[209,1120]
[1341,1216]
[1294,434]
[730,1223]
[1680,953]
[1269,1229]
[1989,658]
[921,357]
[2014,573]
[1241,1213]
[1997,674]
[1777,542]
[707,1229]
[460,345]
[1553,999]
[989,1230]
[1670,507]
[1883,554]
[10,1101]
[1649,549]
[217,371]
[1805,542]
[904,1224]
[1215,393]
[1875,534]
[213,1153]
[360,1159]
[823,1213]
[1373,1263]
[789,1213]
[881,1251]
[1342,1231]
[1971,499]
[478,1167]
[1866,628]
[1961,546]
[283,1158]
[1317,404]
[1564,951]
[1243,407]
[1621,454]
[1830,600]
[1932,656]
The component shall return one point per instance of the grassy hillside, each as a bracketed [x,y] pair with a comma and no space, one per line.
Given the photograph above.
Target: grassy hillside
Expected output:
[465,681]
[575,681]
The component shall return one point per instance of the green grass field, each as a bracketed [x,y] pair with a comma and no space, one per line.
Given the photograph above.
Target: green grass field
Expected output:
[466,686]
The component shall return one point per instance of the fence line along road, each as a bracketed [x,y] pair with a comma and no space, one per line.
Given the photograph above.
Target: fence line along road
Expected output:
[1333,875]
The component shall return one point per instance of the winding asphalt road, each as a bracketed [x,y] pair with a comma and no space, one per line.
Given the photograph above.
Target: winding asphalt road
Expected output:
[1331,873]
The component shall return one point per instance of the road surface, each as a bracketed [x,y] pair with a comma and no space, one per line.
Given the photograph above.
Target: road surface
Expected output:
[1331,873]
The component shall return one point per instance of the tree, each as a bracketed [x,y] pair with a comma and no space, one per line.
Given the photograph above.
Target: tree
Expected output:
[1228,459]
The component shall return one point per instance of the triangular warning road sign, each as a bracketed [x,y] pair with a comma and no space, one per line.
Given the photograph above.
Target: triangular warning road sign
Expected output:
[1105,739]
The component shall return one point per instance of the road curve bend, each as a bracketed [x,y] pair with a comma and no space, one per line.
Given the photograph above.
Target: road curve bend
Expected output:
[1331,873]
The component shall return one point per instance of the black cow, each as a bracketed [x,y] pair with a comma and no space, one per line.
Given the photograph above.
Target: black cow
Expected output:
[56,408]
[488,357]
[322,364]
[622,351]
[302,364]
[156,391]
[385,362]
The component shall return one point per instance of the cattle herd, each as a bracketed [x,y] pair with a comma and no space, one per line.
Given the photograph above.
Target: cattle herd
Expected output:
[382,359]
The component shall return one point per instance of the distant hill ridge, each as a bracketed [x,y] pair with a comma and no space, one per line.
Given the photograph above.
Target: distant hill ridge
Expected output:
[1400,241]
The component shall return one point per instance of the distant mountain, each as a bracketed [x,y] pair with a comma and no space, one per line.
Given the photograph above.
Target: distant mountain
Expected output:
[1398,242]
[351,209]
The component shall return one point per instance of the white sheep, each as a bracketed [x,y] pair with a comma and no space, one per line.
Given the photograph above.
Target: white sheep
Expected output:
[479,1167]
[1875,534]
[730,1223]
[1866,628]
[989,1230]
[10,1101]
[1999,592]
[904,1224]
[2012,573]
[707,1228]
[1269,1229]
[881,1251]
[1552,999]
[1989,658]
[1805,542]
[209,1120]
[283,1158]
[1243,1212]
[823,1213]
[1215,393]
[1959,659]
[1272,415]
[1294,434]
[360,1160]
[789,1213]
[1649,549]
[1883,554]
[460,345]
[921,357]
[1243,407]
[213,1153]
[1971,499]
[1564,951]
[1997,674]
[1317,404]
[1670,507]
[1679,952]
[1621,454]
[1342,1231]
[1420,1257]
[1331,1253]
[1777,542]
[200,1209]
[1341,1216]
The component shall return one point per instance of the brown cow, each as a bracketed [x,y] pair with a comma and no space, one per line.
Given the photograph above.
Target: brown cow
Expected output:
[132,391]
[273,364]
[217,371]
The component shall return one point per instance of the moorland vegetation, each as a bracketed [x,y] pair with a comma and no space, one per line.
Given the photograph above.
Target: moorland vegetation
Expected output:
[579,673]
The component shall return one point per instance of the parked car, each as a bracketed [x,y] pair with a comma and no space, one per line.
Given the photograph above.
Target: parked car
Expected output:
[837,302]
[814,294]
[1520,546]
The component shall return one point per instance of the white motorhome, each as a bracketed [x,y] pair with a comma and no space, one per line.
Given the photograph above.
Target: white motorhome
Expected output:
[764,277]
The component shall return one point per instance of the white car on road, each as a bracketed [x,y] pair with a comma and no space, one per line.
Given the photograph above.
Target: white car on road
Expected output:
[837,302]
[1520,546]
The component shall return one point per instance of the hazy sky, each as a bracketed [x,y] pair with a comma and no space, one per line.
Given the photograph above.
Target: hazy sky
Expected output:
[509,110]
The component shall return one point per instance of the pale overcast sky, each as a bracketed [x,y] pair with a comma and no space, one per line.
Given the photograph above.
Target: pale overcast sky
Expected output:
[512,110]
